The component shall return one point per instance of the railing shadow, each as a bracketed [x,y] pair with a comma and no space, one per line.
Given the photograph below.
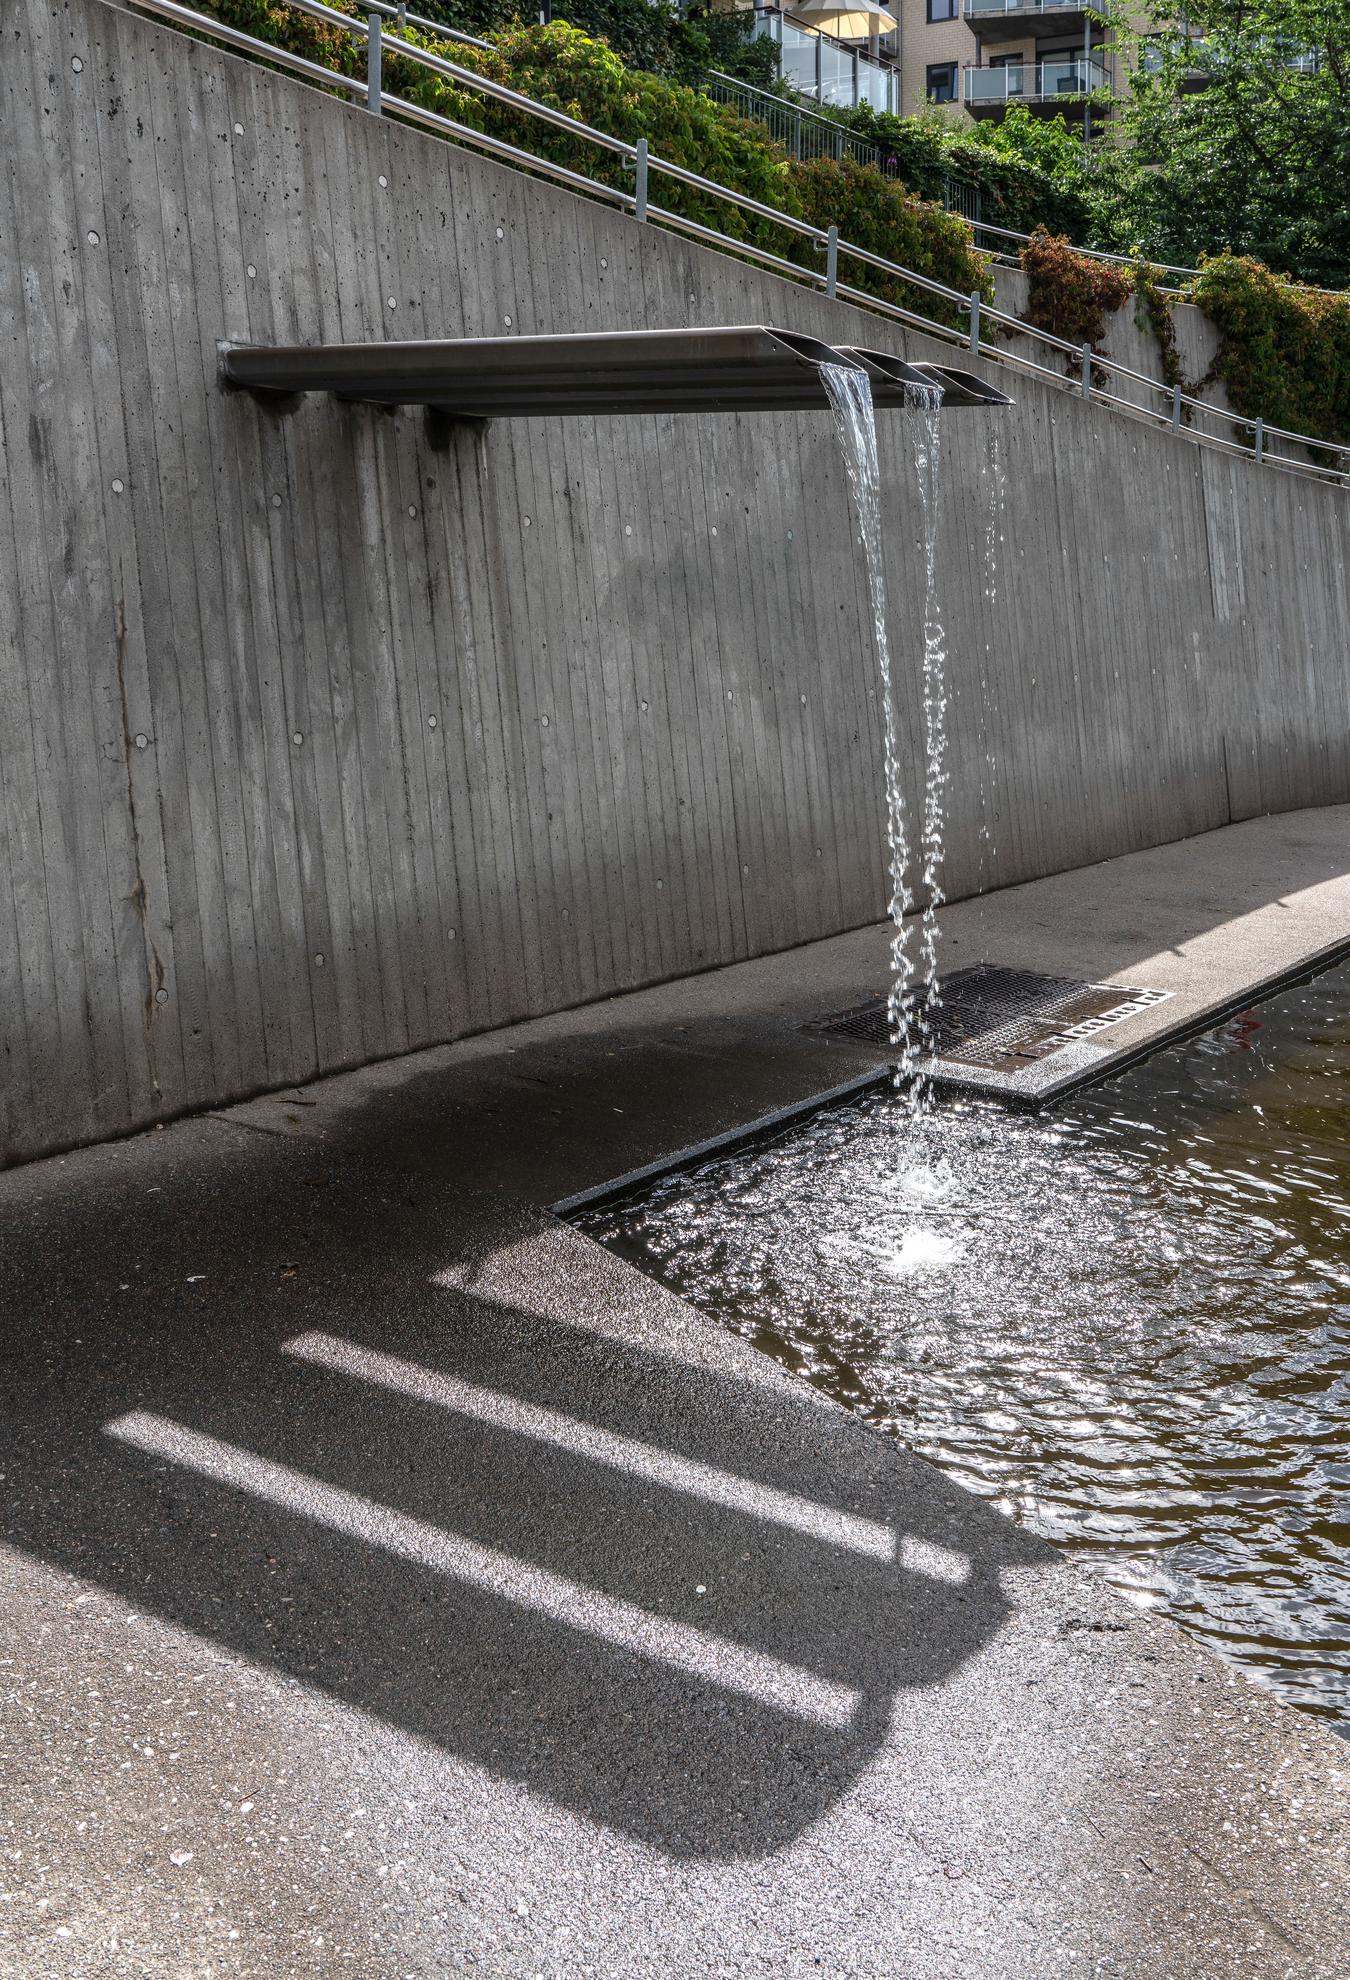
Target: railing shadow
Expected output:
[677,1603]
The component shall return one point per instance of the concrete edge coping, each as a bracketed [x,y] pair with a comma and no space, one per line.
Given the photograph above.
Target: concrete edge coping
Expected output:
[992,1087]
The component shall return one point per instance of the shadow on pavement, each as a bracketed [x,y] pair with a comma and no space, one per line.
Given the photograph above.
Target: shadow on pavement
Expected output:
[696,1642]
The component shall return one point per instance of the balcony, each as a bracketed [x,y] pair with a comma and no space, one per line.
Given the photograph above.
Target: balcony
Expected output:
[824,70]
[1020,20]
[1061,85]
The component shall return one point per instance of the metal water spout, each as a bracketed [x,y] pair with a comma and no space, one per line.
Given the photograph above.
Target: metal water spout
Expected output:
[892,376]
[741,368]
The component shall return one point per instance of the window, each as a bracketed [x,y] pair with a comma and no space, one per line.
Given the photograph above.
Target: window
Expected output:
[942,82]
[943,10]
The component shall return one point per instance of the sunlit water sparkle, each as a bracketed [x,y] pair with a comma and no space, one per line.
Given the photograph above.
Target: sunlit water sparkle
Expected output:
[1127,1323]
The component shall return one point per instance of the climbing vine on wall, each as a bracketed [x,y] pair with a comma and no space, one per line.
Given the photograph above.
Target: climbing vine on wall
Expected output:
[1284,350]
[1068,293]
[1153,312]
[1072,295]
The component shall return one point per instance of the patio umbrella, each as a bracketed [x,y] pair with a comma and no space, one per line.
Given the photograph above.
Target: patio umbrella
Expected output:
[848,23]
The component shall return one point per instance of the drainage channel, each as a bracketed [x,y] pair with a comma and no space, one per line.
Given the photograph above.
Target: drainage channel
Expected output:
[979,1007]
[1000,1018]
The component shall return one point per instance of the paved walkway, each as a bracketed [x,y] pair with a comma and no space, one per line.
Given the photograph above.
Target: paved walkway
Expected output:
[396,1584]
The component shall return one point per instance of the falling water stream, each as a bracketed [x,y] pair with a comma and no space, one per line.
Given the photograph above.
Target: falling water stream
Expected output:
[994,482]
[921,414]
[913,992]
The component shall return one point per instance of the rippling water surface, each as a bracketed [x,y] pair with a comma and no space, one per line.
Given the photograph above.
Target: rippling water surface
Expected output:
[1126,1322]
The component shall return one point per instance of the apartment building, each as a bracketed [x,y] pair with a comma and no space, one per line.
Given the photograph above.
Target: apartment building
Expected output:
[976,56]
[981,55]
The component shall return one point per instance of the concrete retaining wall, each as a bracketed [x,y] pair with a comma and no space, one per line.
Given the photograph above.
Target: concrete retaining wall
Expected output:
[317,744]
[1133,344]
[1130,343]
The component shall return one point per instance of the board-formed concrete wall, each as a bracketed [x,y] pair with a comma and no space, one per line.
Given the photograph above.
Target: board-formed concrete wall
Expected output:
[1132,343]
[317,743]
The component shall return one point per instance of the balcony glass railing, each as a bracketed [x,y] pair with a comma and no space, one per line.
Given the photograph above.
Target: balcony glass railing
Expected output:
[1034,82]
[975,9]
[818,66]
[1158,47]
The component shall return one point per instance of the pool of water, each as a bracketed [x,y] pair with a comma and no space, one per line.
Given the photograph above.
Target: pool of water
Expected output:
[1126,1322]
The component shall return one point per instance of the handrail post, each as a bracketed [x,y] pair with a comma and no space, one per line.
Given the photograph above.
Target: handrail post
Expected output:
[1087,371]
[1260,441]
[1176,408]
[374,52]
[832,261]
[640,168]
[975,320]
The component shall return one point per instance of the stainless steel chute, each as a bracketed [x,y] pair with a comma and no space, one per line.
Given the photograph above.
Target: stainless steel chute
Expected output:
[745,368]
[891,376]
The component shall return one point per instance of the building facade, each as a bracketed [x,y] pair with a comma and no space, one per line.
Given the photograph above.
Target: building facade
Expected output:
[974,56]
[981,55]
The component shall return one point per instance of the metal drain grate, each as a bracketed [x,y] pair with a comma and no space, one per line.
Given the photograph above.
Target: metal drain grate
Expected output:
[1001,1018]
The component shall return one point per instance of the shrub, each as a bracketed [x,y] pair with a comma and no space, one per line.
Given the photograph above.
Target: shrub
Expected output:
[1070,294]
[929,152]
[654,35]
[878,214]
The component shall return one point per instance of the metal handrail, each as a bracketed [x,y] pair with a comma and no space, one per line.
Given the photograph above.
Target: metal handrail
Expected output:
[1095,254]
[485,85]
[1129,260]
[767,108]
[825,239]
[391,11]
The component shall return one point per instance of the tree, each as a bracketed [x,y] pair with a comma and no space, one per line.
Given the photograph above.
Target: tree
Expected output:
[1237,133]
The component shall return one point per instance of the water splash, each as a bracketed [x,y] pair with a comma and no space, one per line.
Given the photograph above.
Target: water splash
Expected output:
[1127,1324]
[850,394]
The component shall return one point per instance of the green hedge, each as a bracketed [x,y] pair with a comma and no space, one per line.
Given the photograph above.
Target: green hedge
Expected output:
[655,35]
[880,215]
[567,70]
[928,153]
